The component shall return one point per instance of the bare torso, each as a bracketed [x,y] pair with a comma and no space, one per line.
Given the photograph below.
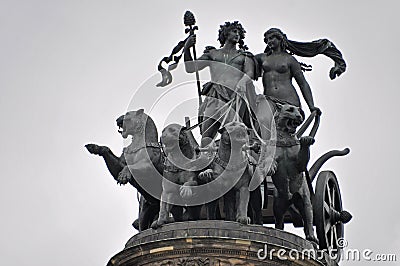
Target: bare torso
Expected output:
[277,74]
[226,68]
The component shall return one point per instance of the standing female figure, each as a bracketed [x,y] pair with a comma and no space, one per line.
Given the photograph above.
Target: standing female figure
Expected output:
[279,67]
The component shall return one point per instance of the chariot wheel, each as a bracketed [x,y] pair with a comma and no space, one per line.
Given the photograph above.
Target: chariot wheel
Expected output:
[329,215]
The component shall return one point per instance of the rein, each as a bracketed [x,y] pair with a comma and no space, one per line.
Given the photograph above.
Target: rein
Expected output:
[224,164]
[146,145]
[307,123]
[171,167]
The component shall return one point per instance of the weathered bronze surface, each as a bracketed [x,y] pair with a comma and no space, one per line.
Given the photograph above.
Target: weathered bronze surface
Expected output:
[213,243]
[230,68]
[274,153]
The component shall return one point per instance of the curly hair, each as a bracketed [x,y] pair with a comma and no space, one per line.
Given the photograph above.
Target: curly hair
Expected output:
[280,35]
[228,26]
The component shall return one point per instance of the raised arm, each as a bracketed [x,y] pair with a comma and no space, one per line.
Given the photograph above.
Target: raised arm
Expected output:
[202,61]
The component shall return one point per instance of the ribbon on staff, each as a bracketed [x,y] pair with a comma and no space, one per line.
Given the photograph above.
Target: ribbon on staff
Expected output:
[189,21]
[165,73]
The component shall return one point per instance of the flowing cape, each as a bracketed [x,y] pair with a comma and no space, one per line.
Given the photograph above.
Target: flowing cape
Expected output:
[322,46]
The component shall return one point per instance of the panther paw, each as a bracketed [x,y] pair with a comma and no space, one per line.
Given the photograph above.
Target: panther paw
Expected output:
[96,149]
[206,176]
[160,222]
[243,220]
[273,166]
[307,141]
[124,176]
[156,224]
[185,192]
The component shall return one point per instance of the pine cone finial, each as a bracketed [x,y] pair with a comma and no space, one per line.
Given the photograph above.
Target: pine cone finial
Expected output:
[188,19]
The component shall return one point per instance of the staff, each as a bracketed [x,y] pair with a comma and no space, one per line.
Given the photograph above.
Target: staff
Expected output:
[189,20]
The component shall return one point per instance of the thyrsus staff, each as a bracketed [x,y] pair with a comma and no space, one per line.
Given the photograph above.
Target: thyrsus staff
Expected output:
[189,21]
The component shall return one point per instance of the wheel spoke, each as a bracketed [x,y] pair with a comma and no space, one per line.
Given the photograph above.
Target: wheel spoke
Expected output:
[328,206]
[332,238]
[335,238]
[327,235]
[328,190]
[327,209]
[328,225]
[333,197]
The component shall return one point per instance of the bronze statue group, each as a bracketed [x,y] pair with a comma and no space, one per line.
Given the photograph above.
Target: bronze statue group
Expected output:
[258,137]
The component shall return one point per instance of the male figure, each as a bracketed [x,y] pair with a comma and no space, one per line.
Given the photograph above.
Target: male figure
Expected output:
[231,72]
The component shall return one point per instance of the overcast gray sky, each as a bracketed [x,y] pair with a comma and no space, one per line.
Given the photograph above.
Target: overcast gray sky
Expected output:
[68,69]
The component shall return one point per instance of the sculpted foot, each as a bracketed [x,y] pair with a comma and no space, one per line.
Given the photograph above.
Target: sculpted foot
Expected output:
[155,224]
[158,223]
[279,225]
[135,224]
[243,220]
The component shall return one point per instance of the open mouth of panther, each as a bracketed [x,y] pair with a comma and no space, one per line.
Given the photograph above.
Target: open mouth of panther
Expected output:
[120,123]
[292,124]
[123,132]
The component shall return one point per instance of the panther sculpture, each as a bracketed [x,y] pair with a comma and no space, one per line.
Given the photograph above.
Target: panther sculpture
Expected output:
[291,159]
[145,154]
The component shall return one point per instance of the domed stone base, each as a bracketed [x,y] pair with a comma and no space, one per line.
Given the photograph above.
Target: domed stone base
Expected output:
[210,243]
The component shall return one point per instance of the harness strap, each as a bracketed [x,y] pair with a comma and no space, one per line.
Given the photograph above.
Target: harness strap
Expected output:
[199,124]
[305,125]
[146,145]
[285,142]
[171,168]
[224,164]
[251,122]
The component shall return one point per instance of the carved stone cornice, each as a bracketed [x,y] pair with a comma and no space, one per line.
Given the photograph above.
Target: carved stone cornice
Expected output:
[201,243]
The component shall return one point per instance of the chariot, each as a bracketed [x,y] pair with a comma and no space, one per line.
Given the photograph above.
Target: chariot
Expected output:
[329,215]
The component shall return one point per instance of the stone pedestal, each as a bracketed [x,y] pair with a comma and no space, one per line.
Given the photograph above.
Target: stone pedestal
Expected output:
[202,243]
